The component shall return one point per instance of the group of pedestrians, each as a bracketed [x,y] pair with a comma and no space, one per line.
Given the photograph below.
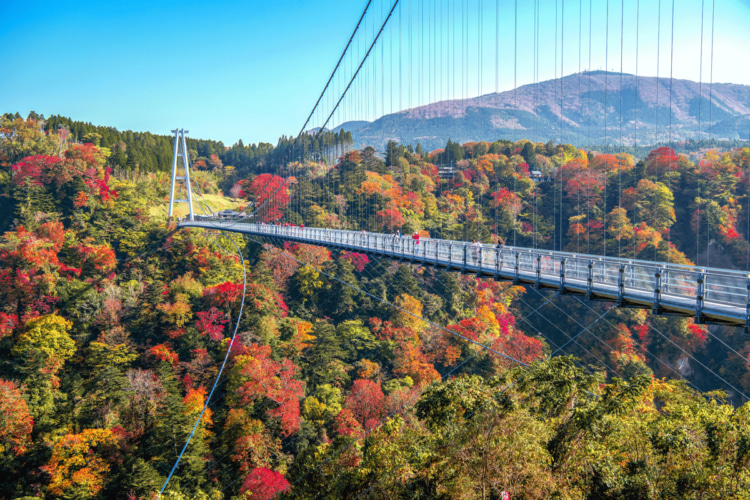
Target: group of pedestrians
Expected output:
[415,238]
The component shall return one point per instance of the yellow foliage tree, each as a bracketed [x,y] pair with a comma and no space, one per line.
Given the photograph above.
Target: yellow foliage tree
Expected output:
[309,282]
[102,355]
[80,463]
[46,336]
[408,304]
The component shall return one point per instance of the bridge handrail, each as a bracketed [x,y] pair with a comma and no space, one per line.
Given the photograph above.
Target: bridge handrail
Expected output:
[701,283]
[293,231]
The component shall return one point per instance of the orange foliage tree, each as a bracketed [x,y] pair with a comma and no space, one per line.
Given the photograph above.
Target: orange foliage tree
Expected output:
[15,420]
[80,462]
[256,377]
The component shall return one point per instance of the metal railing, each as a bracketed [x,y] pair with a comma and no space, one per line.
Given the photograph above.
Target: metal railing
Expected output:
[703,286]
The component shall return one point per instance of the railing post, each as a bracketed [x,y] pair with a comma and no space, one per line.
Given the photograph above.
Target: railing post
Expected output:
[517,279]
[747,307]
[700,299]
[538,271]
[562,275]
[632,274]
[657,292]
[621,286]
[590,281]
[450,253]
[497,263]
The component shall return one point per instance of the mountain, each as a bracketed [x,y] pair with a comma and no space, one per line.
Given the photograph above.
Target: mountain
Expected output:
[533,112]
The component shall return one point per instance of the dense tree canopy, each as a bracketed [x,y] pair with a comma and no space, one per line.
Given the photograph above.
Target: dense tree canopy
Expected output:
[113,326]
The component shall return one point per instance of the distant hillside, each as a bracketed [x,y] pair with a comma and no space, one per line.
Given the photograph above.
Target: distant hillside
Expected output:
[533,112]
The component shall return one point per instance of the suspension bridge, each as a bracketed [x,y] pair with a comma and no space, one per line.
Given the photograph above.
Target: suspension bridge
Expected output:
[405,54]
[710,295]
[453,36]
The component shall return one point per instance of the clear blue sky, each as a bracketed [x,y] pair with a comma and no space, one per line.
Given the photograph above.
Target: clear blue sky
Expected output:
[252,70]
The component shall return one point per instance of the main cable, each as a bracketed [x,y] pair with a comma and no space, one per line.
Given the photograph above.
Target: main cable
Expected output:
[335,69]
[359,68]
[221,369]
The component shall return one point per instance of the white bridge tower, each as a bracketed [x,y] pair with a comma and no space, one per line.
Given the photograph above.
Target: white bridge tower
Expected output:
[180,143]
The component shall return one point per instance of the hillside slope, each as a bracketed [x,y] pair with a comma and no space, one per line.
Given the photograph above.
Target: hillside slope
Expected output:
[591,106]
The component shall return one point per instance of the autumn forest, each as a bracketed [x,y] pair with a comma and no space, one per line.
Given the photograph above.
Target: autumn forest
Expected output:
[114,324]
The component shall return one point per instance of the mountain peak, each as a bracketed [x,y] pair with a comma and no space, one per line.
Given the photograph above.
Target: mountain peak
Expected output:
[602,107]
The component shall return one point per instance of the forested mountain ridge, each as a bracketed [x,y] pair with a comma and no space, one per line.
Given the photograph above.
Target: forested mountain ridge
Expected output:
[147,152]
[583,109]
[113,325]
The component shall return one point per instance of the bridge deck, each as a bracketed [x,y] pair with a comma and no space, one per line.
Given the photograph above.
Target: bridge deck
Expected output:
[710,295]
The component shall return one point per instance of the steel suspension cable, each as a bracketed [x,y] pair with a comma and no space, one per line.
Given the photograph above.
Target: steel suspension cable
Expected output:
[635,121]
[671,145]
[221,370]
[588,133]
[456,334]
[515,111]
[335,69]
[580,103]
[354,76]
[497,91]
[710,129]
[606,111]
[656,164]
[622,146]
[700,107]
[481,407]
[558,173]
[599,339]
[665,337]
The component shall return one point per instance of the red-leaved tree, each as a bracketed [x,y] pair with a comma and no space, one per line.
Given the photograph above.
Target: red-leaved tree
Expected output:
[211,323]
[263,484]
[390,218]
[269,192]
[366,402]
[257,377]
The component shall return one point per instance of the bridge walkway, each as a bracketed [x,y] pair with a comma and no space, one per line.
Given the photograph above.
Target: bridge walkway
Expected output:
[710,295]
